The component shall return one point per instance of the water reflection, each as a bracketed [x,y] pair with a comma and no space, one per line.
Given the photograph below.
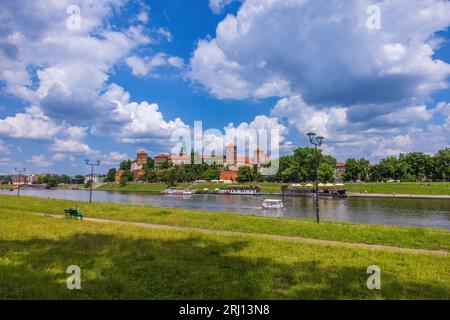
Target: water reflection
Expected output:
[412,212]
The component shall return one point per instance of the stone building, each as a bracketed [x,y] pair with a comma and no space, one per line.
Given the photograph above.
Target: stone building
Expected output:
[137,166]
[229,175]
[339,171]
[160,159]
[233,161]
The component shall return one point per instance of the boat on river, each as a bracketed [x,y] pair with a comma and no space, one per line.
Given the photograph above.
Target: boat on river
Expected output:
[240,191]
[273,204]
[309,191]
[177,192]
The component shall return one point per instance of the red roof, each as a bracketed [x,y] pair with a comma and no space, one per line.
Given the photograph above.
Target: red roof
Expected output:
[163,156]
[185,156]
[340,165]
[245,160]
[188,156]
[228,175]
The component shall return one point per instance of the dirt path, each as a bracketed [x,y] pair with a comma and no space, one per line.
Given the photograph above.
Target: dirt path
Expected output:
[262,236]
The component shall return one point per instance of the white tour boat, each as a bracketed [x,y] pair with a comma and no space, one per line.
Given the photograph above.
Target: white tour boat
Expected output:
[177,192]
[272,204]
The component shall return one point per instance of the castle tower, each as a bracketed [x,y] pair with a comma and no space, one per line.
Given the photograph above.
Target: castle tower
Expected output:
[142,158]
[231,155]
[258,156]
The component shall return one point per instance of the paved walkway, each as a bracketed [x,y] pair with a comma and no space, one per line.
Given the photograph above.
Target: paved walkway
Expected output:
[399,196]
[261,235]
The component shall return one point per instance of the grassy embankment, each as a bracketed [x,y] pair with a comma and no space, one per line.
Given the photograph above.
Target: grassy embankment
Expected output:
[407,237]
[435,188]
[418,188]
[158,187]
[134,187]
[129,262]
[72,186]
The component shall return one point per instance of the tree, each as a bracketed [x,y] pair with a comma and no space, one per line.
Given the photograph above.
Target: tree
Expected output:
[179,173]
[351,170]
[392,168]
[87,185]
[300,167]
[149,175]
[111,176]
[442,165]
[65,179]
[126,177]
[419,166]
[171,177]
[305,162]
[165,164]
[150,163]
[211,174]
[125,165]
[326,172]
[286,171]
[245,174]
[290,174]
[356,170]
[375,174]
[6,180]
[257,176]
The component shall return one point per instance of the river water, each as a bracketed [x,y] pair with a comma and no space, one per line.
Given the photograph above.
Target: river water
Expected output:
[406,212]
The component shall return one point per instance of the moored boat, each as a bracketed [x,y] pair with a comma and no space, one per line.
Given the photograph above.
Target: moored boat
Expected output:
[325,191]
[240,191]
[177,192]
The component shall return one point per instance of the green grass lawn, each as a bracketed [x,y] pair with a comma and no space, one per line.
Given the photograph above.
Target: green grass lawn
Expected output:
[128,262]
[71,186]
[158,187]
[435,188]
[407,237]
[134,187]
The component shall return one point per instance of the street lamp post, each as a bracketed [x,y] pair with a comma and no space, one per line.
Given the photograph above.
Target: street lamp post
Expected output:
[96,164]
[317,142]
[19,172]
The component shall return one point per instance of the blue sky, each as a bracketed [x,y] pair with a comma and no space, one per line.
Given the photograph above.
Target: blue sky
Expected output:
[134,72]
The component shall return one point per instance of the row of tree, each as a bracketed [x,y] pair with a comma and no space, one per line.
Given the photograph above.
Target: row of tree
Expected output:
[166,173]
[293,168]
[53,180]
[5,180]
[409,167]
[300,167]
[297,167]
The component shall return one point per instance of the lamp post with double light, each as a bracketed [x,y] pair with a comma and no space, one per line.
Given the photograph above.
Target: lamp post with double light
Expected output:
[317,142]
[19,172]
[96,164]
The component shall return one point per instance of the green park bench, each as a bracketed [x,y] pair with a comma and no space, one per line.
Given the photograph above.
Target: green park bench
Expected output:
[74,213]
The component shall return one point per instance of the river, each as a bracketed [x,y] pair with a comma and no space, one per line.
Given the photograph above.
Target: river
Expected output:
[404,212]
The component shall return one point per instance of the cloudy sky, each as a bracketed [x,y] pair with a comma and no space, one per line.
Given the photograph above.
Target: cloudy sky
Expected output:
[101,79]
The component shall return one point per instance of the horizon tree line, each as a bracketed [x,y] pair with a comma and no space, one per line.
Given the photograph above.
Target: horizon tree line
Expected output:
[299,167]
